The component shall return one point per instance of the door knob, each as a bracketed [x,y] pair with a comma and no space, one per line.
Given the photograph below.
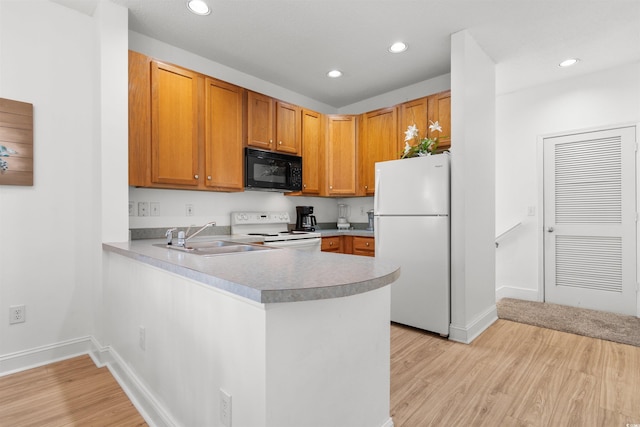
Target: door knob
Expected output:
[550,230]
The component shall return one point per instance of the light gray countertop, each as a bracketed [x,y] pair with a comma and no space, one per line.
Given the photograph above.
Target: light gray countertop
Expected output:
[272,276]
[336,232]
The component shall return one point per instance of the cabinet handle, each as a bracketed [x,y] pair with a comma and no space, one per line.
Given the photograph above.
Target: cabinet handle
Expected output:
[196,176]
[270,141]
[279,142]
[331,187]
[330,243]
[209,177]
[304,185]
[367,243]
[366,187]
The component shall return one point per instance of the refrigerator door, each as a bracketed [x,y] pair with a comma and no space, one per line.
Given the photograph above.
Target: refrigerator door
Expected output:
[417,186]
[420,245]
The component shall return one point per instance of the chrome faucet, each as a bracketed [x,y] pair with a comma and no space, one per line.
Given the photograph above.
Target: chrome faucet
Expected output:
[169,235]
[183,238]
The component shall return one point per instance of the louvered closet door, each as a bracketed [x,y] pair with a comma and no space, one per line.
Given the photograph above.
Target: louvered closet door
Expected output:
[590,220]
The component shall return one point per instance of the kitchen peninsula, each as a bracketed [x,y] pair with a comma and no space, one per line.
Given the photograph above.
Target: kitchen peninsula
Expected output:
[295,338]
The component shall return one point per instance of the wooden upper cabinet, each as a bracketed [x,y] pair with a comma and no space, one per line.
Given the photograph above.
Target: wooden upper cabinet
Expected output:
[378,142]
[312,154]
[341,155]
[287,128]
[259,121]
[412,113]
[272,125]
[174,125]
[440,110]
[139,119]
[224,157]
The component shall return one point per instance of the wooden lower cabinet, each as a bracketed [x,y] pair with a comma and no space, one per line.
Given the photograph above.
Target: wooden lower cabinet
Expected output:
[352,245]
[365,246]
[332,244]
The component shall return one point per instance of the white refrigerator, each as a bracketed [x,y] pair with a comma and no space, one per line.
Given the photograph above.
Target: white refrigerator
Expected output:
[411,214]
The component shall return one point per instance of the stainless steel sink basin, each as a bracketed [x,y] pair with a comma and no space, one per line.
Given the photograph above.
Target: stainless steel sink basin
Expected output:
[217,247]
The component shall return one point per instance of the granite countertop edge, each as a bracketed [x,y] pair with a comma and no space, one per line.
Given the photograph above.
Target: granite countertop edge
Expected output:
[320,275]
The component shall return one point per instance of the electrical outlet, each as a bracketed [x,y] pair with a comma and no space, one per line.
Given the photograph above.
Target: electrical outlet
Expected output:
[143,208]
[189,210]
[142,338]
[17,314]
[155,208]
[225,408]
[132,208]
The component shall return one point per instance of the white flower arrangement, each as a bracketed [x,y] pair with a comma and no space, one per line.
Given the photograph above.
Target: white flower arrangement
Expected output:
[423,146]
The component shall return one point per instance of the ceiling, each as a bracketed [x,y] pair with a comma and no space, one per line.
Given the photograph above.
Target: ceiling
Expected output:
[294,43]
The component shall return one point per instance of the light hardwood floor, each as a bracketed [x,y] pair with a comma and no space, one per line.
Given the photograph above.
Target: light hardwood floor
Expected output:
[73,392]
[512,375]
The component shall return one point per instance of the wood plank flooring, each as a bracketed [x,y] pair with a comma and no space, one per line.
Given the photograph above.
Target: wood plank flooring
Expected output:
[73,392]
[512,375]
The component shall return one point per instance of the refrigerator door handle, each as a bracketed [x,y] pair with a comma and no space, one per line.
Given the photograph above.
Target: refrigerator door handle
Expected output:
[376,208]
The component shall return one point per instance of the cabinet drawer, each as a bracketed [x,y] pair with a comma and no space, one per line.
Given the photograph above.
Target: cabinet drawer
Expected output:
[364,246]
[331,244]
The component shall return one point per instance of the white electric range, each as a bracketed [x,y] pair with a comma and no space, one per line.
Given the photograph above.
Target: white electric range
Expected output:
[273,226]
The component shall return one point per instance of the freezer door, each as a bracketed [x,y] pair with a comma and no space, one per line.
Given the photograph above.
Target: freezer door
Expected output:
[414,186]
[420,245]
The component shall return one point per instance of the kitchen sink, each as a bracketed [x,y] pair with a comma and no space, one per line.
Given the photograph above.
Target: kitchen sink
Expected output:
[217,247]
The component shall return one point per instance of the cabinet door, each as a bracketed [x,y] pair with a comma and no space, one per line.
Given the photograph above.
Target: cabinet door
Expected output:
[364,246]
[440,110]
[332,244]
[378,143]
[287,128]
[174,125]
[312,144]
[341,155]
[259,121]
[223,136]
[412,113]
[139,119]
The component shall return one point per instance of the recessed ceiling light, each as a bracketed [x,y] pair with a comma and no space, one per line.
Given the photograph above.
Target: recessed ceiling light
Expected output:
[334,74]
[199,7]
[568,62]
[397,47]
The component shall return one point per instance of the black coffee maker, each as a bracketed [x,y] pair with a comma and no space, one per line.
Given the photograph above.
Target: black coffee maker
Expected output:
[305,220]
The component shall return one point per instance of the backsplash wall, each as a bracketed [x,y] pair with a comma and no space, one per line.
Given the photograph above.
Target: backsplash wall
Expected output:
[216,206]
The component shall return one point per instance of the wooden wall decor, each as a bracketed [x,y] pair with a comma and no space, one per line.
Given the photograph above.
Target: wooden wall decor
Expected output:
[16,142]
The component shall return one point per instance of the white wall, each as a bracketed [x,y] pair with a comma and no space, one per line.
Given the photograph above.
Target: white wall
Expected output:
[472,188]
[48,245]
[600,99]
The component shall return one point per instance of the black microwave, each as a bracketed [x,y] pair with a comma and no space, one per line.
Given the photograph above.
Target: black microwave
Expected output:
[265,170]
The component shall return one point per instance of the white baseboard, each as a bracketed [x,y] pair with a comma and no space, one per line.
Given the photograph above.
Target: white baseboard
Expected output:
[144,401]
[153,413]
[472,330]
[39,356]
[517,293]
[388,423]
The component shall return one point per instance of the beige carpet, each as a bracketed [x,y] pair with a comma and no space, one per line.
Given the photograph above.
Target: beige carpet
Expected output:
[581,321]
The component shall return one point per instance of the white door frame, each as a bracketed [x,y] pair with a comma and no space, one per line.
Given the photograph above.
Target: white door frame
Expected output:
[540,183]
